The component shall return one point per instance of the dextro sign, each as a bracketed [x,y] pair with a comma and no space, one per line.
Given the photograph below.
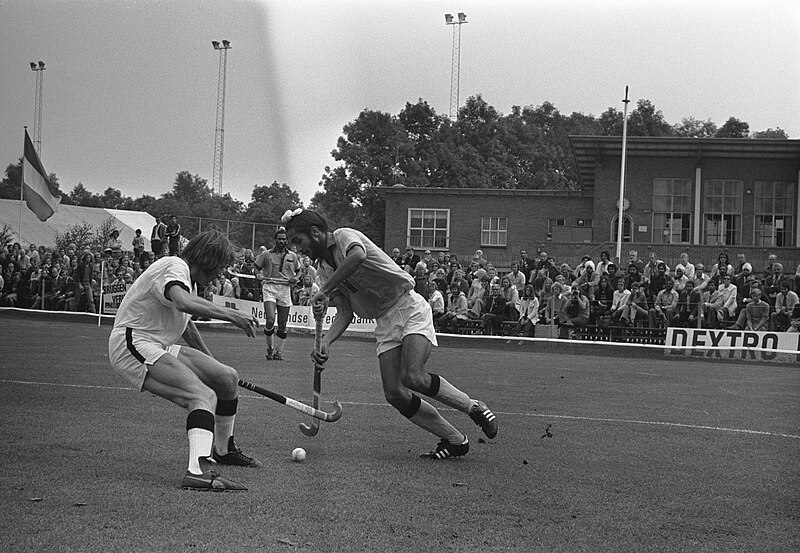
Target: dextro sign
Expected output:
[733,344]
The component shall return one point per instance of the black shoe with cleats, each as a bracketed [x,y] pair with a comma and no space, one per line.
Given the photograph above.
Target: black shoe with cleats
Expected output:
[483,417]
[209,480]
[445,450]
[234,456]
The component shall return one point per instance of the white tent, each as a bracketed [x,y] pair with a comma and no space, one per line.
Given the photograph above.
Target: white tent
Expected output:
[40,233]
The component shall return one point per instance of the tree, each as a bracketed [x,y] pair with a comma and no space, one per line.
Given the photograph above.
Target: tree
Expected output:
[733,128]
[188,189]
[778,133]
[645,120]
[689,127]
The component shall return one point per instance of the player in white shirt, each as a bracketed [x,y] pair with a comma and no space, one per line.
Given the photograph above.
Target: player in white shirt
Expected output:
[279,269]
[153,316]
[357,276]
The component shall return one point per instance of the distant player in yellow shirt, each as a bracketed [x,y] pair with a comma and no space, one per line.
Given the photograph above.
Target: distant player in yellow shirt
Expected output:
[358,277]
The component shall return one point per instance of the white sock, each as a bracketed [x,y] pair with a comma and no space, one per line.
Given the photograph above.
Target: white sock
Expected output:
[200,441]
[223,430]
[453,397]
[269,340]
[279,344]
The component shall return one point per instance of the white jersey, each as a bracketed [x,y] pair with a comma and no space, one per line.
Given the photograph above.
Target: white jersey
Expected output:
[376,286]
[146,309]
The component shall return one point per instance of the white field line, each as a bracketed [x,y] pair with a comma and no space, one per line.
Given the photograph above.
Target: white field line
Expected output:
[505,413]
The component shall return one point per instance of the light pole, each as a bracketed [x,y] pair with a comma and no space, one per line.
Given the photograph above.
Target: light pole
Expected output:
[455,68]
[219,133]
[37,109]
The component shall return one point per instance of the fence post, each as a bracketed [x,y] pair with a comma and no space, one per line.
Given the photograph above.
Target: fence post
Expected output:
[253,239]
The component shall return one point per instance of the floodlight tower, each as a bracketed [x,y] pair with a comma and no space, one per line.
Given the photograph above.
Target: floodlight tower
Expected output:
[37,109]
[455,69]
[219,133]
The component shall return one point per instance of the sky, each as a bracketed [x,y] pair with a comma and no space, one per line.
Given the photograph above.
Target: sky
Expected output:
[130,87]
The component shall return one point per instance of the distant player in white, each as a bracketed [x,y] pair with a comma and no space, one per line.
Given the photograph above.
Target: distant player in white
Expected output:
[278,269]
[154,315]
[357,276]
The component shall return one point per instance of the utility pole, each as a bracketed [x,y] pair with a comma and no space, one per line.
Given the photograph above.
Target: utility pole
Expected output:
[219,132]
[37,110]
[455,68]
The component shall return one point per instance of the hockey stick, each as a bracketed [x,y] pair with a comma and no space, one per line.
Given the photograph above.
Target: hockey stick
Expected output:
[294,404]
[313,428]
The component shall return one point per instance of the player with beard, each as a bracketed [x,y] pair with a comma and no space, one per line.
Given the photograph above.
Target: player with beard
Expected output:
[358,277]
[279,269]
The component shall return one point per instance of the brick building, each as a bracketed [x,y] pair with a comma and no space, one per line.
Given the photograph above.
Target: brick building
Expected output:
[702,196]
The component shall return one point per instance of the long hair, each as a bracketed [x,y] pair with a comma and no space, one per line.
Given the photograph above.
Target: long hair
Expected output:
[210,250]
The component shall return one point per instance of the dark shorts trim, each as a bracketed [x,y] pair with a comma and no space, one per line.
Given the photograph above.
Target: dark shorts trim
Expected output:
[131,348]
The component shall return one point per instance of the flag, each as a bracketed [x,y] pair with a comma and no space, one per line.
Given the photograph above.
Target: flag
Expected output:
[41,196]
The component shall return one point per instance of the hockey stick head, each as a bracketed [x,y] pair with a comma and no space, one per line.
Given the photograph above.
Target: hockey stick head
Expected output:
[310,430]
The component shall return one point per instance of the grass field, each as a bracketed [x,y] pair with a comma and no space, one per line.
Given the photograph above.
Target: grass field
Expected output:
[646,454]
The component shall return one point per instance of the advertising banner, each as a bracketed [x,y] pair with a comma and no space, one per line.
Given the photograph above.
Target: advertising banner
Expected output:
[300,316]
[727,345]
[112,297]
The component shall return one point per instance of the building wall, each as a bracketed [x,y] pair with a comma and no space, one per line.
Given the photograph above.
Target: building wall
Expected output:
[527,213]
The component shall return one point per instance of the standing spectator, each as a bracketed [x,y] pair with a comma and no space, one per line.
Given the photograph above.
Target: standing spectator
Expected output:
[664,305]
[157,237]
[138,244]
[83,278]
[115,244]
[528,313]
[173,233]
[526,265]
[785,302]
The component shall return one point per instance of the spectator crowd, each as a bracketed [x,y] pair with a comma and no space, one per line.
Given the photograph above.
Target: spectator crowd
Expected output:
[473,292]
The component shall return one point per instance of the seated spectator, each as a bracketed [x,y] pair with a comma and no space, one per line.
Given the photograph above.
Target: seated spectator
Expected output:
[701,278]
[456,310]
[602,265]
[553,306]
[614,275]
[517,277]
[601,305]
[657,282]
[633,275]
[511,295]
[686,313]
[680,278]
[772,283]
[688,267]
[713,306]
[567,273]
[797,280]
[651,268]
[741,261]
[574,312]
[440,280]
[635,306]
[588,280]
[771,260]
[528,313]
[794,319]
[582,266]
[436,301]
[664,305]
[477,291]
[420,275]
[494,311]
[544,294]
[756,315]
[410,260]
[479,259]
[722,261]
[308,290]
[633,259]
[785,302]
[729,292]
[11,277]
[83,279]
[458,278]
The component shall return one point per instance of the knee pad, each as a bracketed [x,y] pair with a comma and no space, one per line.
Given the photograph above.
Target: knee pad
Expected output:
[281,334]
[412,407]
[269,331]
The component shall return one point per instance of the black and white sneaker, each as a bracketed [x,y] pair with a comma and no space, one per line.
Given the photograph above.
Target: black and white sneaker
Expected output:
[445,449]
[209,480]
[483,417]
[270,354]
[234,456]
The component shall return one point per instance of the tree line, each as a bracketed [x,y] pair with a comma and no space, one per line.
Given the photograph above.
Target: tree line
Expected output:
[525,149]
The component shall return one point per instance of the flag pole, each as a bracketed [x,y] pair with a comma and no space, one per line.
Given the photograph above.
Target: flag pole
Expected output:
[622,178]
[21,192]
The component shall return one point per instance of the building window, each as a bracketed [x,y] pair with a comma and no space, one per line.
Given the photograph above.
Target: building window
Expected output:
[429,228]
[493,231]
[774,204]
[722,202]
[627,228]
[584,223]
[672,211]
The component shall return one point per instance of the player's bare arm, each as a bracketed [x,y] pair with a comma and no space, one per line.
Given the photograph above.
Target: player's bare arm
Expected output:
[344,316]
[194,339]
[352,261]
[189,303]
